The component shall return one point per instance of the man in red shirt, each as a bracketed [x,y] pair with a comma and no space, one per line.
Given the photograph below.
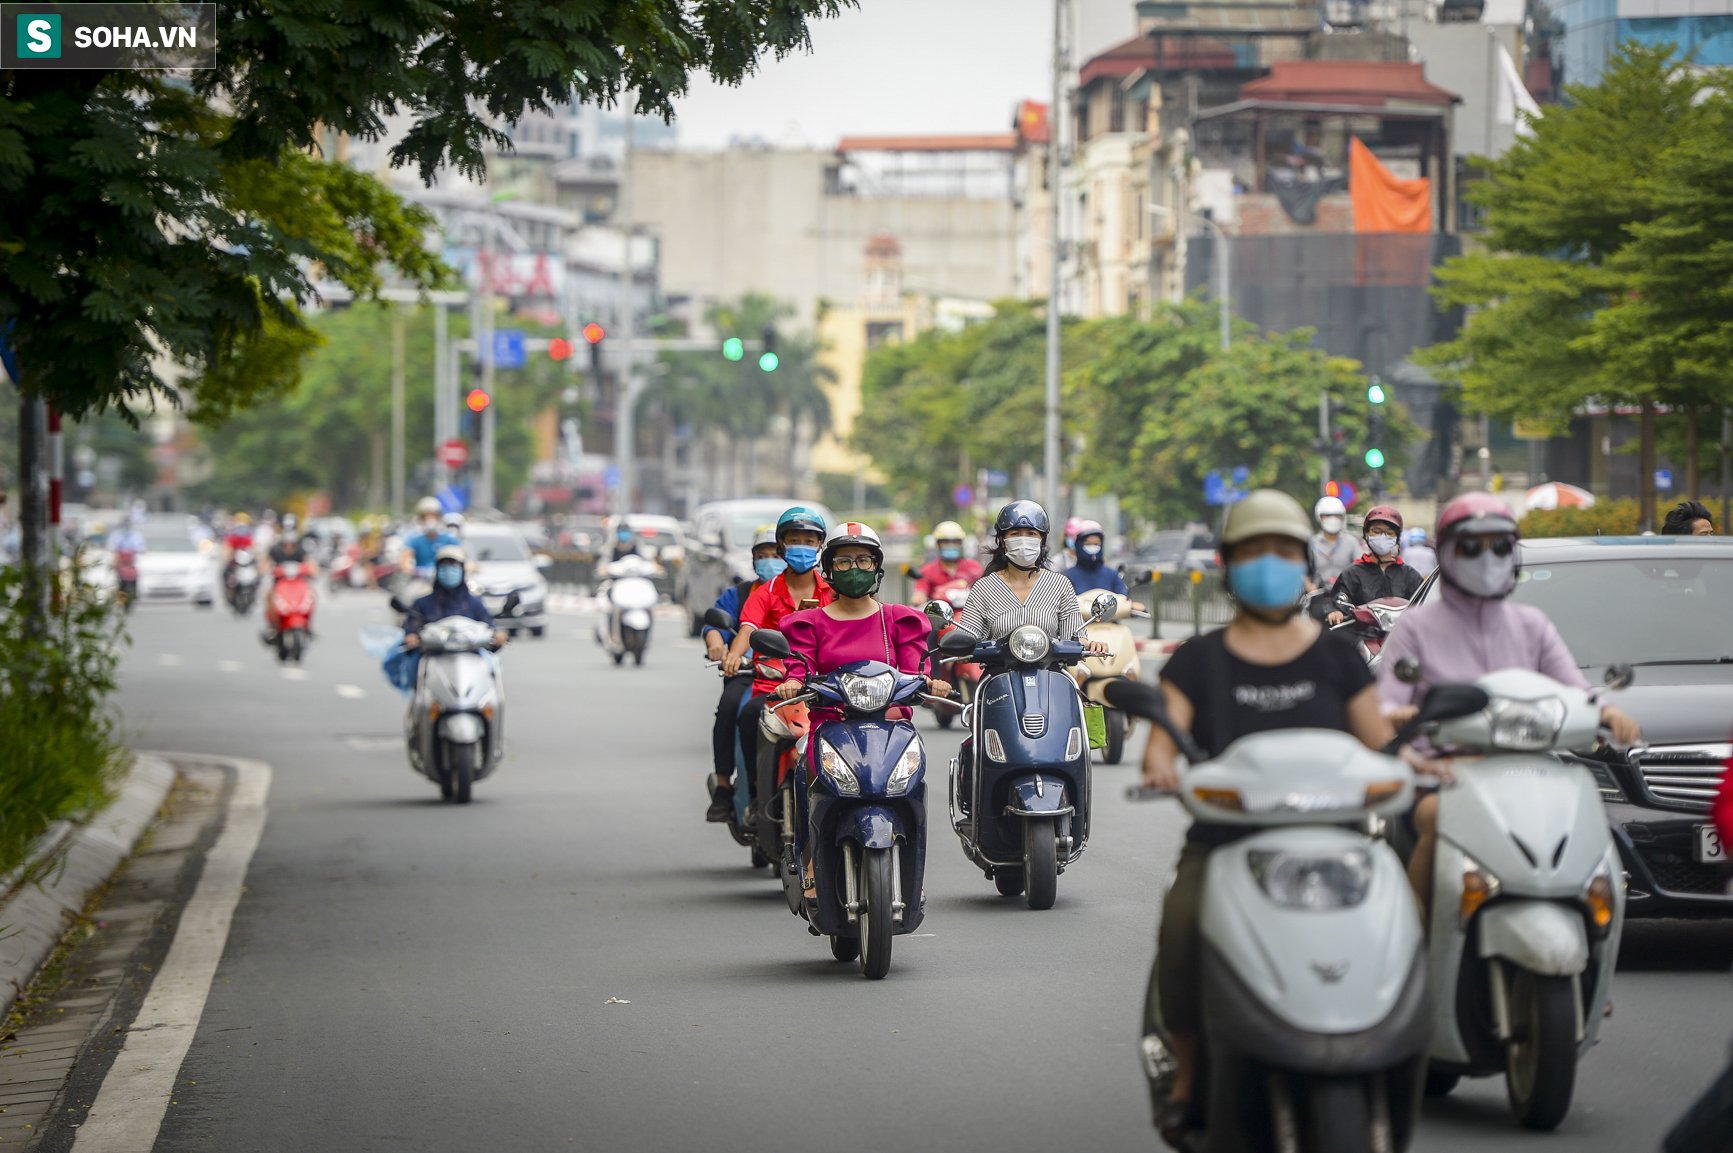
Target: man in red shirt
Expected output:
[951,570]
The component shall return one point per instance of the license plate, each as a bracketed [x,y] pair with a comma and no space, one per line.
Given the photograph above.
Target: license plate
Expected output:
[1709,846]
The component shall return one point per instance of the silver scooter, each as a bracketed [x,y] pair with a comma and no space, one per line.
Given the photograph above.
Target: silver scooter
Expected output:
[1315,1006]
[1527,899]
[627,595]
[455,726]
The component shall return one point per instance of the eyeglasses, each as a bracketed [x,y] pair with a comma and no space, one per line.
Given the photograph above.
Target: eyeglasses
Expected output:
[1470,547]
[844,563]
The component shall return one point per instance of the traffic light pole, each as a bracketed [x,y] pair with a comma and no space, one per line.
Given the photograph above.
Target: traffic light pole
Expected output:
[626,402]
[1324,441]
[1051,461]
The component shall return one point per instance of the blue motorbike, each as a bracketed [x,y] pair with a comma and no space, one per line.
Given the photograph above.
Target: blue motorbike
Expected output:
[861,810]
[1020,785]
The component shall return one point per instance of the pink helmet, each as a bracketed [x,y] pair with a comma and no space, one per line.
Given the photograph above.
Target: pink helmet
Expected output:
[1071,527]
[1475,512]
[1079,528]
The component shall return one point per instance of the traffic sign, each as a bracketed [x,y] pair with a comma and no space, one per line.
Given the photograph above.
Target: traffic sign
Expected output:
[1344,491]
[997,478]
[963,496]
[1219,491]
[1664,479]
[611,477]
[453,454]
[508,348]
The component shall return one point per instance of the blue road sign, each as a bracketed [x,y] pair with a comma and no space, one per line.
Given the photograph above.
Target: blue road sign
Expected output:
[998,479]
[1664,479]
[611,476]
[963,496]
[508,348]
[1219,491]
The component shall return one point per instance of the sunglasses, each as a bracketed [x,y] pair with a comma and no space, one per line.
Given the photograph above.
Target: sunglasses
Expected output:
[1472,547]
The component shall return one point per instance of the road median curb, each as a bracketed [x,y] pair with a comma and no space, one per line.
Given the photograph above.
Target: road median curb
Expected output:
[68,863]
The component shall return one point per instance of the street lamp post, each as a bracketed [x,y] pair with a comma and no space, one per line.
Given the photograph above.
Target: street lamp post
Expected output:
[1221,266]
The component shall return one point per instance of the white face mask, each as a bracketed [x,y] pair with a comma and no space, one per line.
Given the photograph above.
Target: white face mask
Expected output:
[1381,545]
[1332,524]
[1487,575]
[1023,551]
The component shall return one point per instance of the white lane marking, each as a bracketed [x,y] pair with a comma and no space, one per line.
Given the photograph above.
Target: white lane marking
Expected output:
[129,1107]
[352,692]
[167,659]
[294,674]
[229,666]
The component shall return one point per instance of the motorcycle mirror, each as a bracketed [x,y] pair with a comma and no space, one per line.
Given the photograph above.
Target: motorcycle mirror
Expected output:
[1620,676]
[769,643]
[1105,608]
[939,612]
[958,641]
[720,619]
[1408,671]
[510,607]
[1146,701]
[1442,703]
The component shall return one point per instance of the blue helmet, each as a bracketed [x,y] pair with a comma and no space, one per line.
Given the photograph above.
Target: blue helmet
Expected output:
[1021,514]
[797,518]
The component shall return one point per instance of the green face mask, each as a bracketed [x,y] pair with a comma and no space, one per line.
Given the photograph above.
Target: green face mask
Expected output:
[855,583]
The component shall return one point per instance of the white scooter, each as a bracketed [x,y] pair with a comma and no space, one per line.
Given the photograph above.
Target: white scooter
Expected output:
[455,726]
[1527,899]
[1315,1007]
[627,595]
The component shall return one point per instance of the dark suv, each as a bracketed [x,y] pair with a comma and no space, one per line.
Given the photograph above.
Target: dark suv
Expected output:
[1663,604]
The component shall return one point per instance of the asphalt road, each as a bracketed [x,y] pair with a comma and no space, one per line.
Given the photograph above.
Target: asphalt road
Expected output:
[408,974]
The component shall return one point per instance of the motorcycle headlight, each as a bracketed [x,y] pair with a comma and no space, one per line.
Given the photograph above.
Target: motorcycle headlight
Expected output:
[837,770]
[1525,726]
[1029,644]
[1314,881]
[906,767]
[868,694]
[1478,886]
[1598,896]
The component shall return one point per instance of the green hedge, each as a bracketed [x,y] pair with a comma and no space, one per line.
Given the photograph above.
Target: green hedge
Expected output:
[59,746]
[1608,517]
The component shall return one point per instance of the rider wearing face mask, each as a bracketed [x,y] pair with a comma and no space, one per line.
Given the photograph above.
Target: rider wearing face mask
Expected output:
[951,570]
[1090,573]
[1469,631]
[1332,549]
[624,546]
[450,598]
[1017,588]
[766,566]
[1380,572]
[420,549]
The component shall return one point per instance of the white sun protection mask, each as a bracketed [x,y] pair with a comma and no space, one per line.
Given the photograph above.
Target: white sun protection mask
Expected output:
[1023,551]
[1331,524]
[1381,545]
[1487,575]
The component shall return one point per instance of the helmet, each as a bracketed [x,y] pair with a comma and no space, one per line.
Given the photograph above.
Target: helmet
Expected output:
[850,532]
[289,522]
[1329,506]
[1475,512]
[242,518]
[449,552]
[453,520]
[948,530]
[1384,513]
[797,519]
[1266,511]
[428,505]
[1071,524]
[1415,535]
[766,534]
[1084,528]
[1021,514]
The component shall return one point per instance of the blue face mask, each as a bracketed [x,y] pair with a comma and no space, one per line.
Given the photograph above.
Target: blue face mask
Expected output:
[768,566]
[450,575]
[801,557]
[950,552]
[623,535]
[1268,582]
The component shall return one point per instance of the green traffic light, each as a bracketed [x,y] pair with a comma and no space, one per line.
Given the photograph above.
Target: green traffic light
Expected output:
[1374,458]
[1375,394]
[732,349]
[768,362]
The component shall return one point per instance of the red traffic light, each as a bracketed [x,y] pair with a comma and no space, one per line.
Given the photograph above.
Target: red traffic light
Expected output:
[593,332]
[559,349]
[478,400]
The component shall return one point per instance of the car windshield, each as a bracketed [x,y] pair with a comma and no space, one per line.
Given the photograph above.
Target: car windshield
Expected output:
[745,525]
[169,542]
[497,547]
[1640,611]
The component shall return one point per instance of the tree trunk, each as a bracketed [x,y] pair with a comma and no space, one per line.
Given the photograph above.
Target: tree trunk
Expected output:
[1646,469]
[34,544]
[1691,453]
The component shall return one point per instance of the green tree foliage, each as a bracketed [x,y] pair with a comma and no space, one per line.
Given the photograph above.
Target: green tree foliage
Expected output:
[707,391]
[147,214]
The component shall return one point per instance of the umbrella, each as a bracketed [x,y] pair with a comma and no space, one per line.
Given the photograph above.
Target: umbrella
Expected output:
[1557,494]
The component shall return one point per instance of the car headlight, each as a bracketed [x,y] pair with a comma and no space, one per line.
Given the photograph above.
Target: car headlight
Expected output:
[1314,881]
[1598,896]
[1525,726]
[1029,644]
[1478,886]
[906,767]
[868,694]
[837,770]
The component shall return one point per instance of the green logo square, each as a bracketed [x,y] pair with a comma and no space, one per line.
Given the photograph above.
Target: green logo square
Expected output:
[39,37]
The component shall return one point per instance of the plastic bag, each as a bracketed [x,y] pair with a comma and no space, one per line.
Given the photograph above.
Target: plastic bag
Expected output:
[400,669]
[1095,723]
[380,641]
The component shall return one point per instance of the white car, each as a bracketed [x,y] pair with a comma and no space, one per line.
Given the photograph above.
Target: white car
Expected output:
[175,566]
[501,563]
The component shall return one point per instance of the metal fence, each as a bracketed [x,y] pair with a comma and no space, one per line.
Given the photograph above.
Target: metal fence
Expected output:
[1186,603]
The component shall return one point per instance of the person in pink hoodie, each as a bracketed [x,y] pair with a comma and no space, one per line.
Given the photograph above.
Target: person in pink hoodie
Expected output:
[1469,631]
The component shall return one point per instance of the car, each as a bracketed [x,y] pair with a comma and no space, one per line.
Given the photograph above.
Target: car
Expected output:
[176,565]
[1664,605]
[1168,552]
[503,564]
[721,550]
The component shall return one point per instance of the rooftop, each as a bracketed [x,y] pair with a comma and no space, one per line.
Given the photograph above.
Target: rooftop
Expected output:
[984,142]
[1143,52]
[1371,83]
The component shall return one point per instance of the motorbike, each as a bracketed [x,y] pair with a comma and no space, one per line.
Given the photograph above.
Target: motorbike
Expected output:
[1369,624]
[1528,895]
[289,613]
[241,582]
[455,726]
[1316,1009]
[628,594]
[126,576]
[1120,663]
[764,837]
[1020,786]
[347,571]
[965,675]
[860,801]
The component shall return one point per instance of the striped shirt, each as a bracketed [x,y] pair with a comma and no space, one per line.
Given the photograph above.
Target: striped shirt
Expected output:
[993,610]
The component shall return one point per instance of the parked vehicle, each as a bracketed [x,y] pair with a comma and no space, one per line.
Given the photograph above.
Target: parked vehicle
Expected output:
[1528,897]
[1020,785]
[860,800]
[1315,1006]
[175,566]
[1120,663]
[628,594]
[502,566]
[241,581]
[965,676]
[719,551]
[289,612]
[455,726]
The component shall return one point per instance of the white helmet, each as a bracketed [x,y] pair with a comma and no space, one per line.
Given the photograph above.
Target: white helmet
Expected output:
[850,532]
[766,534]
[1329,506]
[428,505]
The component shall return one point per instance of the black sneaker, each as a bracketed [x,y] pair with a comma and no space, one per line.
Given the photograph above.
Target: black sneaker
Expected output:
[721,805]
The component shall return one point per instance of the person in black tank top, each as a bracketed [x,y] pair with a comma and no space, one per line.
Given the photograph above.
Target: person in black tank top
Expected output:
[1272,667]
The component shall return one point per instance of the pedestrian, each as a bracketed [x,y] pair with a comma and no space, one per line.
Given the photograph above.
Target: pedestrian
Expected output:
[1690,518]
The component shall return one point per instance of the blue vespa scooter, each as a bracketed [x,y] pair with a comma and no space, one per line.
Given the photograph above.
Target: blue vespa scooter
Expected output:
[861,809]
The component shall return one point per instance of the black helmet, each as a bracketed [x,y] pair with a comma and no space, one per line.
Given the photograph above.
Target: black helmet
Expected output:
[1021,514]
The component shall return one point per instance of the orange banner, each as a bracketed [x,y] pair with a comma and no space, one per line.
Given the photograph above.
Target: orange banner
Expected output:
[1383,203]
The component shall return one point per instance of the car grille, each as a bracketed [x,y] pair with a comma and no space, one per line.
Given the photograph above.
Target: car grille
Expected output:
[1678,873]
[1682,776]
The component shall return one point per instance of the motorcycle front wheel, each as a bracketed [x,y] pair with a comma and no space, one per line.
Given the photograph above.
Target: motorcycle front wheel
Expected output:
[1541,1061]
[1040,862]
[462,759]
[875,918]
